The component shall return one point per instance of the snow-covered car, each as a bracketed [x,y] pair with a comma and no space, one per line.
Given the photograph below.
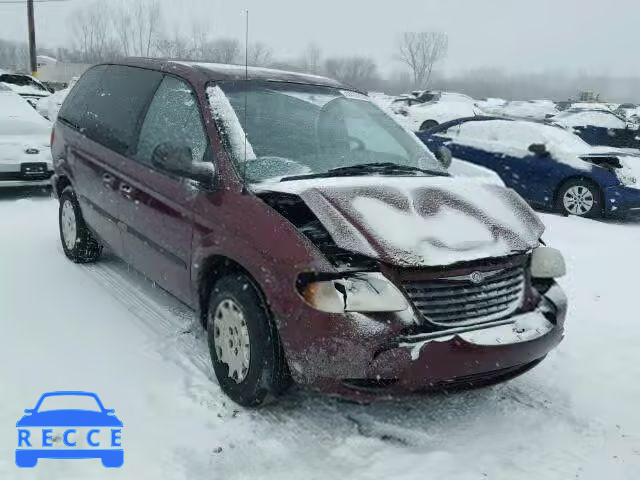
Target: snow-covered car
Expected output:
[49,106]
[25,156]
[433,108]
[26,86]
[320,241]
[629,111]
[548,166]
[527,109]
[600,127]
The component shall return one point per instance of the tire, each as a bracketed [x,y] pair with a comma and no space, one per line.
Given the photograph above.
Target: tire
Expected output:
[78,242]
[428,124]
[586,196]
[236,305]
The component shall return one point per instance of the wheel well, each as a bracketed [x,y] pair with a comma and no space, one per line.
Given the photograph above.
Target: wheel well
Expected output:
[61,183]
[213,269]
[430,123]
[556,194]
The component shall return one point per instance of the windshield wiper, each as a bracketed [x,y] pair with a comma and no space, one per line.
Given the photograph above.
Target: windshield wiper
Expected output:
[383,168]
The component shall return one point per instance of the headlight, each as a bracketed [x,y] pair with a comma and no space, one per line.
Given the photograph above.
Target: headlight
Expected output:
[363,292]
[547,262]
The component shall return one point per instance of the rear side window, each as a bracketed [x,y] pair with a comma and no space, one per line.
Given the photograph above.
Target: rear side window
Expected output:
[112,111]
[76,104]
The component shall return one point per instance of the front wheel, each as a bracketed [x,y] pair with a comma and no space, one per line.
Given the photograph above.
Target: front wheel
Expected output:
[244,343]
[580,197]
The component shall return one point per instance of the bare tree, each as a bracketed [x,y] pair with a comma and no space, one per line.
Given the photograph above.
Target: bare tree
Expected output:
[260,54]
[420,51]
[92,26]
[358,71]
[137,25]
[222,50]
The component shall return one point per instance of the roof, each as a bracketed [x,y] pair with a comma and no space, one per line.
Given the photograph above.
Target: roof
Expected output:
[220,71]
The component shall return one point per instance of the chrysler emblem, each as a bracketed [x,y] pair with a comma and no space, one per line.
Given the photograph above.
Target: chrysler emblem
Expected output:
[476,277]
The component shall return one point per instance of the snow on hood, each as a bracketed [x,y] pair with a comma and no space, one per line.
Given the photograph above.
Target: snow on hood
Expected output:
[419,221]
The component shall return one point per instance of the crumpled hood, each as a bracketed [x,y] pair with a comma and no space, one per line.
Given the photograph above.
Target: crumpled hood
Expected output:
[418,221]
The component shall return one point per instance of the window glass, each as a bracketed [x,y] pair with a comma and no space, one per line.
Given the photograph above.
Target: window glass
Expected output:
[75,105]
[173,117]
[114,111]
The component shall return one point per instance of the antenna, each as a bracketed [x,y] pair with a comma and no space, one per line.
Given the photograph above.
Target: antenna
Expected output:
[246,78]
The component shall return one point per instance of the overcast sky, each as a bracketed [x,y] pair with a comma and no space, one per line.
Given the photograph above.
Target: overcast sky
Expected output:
[570,35]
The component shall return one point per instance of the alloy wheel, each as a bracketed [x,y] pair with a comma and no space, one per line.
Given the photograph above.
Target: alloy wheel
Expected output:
[578,200]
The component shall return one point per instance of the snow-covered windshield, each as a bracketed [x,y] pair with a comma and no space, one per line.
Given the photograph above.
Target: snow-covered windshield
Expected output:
[583,119]
[295,129]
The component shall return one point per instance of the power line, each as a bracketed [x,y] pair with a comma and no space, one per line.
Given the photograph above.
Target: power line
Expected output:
[24,2]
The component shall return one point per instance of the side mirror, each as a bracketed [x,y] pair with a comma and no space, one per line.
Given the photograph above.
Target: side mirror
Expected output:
[178,160]
[539,149]
[444,156]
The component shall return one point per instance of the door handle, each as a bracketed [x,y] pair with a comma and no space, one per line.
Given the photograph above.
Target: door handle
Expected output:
[108,180]
[126,191]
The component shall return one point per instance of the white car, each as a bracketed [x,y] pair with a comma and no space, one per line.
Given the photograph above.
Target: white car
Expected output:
[524,109]
[25,154]
[49,106]
[26,86]
[430,109]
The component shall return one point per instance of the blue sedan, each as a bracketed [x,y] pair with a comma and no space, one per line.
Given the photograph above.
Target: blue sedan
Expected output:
[548,166]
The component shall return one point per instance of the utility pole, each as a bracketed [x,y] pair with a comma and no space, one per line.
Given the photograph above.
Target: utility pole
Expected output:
[32,39]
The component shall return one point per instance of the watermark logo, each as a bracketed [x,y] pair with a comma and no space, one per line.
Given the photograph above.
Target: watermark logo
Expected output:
[69,425]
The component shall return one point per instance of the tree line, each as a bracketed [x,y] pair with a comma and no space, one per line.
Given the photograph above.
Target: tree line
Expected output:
[104,31]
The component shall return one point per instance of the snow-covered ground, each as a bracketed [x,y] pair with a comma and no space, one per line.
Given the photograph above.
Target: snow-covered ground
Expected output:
[103,328]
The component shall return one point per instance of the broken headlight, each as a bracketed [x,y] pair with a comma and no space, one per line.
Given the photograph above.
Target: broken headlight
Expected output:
[361,292]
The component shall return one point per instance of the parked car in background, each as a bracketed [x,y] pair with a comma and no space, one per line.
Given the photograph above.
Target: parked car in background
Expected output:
[629,111]
[26,86]
[25,156]
[526,109]
[429,109]
[600,127]
[549,166]
[49,106]
[319,240]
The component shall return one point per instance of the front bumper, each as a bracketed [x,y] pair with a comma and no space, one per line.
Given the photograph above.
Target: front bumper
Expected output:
[448,359]
[620,201]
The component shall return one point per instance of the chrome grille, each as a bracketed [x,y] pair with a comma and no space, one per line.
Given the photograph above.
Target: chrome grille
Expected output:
[459,301]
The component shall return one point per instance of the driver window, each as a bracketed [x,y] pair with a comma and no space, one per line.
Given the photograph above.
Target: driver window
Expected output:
[173,117]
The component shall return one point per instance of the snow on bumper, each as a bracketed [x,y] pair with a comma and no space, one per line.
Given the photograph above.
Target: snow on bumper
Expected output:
[421,362]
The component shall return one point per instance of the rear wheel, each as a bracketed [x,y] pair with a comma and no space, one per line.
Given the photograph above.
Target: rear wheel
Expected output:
[580,197]
[78,242]
[244,343]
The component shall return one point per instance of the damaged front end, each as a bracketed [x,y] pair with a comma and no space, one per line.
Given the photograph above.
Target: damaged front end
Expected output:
[388,317]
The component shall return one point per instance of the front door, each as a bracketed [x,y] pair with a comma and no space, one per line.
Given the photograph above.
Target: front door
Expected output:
[157,212]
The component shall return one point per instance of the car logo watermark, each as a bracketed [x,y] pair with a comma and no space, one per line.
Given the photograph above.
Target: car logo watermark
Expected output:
[69,425]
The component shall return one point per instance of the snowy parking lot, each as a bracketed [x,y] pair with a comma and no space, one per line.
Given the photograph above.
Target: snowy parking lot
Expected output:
[104,328]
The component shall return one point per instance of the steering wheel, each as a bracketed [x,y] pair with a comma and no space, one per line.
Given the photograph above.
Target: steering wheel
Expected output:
[360,146]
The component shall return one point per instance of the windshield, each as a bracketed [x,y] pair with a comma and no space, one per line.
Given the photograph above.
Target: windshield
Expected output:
[295,129]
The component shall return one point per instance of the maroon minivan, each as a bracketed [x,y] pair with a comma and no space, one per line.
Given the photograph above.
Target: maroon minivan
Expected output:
[319,241]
